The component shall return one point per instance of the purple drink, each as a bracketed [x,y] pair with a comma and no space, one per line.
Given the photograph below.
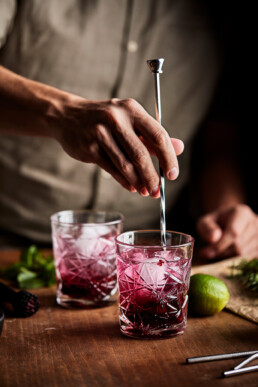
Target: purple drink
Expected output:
[87,273]
[153,285]
[85,261]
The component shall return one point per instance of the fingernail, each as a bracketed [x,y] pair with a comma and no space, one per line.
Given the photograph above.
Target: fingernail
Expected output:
[154,191]
[182,144]
[132,189]
[173,173]
[144,192]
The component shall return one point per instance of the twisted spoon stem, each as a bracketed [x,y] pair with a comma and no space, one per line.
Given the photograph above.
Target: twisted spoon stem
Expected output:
[156,68]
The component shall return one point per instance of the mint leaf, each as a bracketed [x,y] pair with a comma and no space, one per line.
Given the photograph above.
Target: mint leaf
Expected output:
[33,283]
[32,271]
[28,255]
[25,274]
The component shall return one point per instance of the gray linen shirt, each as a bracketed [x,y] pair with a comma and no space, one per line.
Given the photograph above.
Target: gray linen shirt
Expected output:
[98,49]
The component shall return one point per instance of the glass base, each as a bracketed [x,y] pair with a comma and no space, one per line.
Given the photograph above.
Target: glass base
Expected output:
[141,336]
[137,334]
[161,332]
[82,303]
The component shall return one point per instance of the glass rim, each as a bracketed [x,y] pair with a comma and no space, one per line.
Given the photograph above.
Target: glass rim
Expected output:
[154,246]
[120,217]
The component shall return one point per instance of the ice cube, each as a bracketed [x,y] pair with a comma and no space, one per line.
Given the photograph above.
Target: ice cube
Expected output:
[91,242]
[90,231]
[148,274]
[152,273]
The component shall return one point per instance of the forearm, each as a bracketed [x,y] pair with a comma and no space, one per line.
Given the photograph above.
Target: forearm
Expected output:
[27,107]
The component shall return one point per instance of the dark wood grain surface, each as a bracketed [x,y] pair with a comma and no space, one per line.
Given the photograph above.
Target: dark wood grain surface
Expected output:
[60,347]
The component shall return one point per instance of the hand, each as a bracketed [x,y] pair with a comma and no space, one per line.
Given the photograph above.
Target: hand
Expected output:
[229,232]
[119,136]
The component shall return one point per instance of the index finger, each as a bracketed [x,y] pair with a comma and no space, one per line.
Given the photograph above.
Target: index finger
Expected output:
[178,146]
[156,136]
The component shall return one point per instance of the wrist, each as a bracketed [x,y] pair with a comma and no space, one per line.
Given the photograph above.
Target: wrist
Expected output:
[60,115]
[55,102]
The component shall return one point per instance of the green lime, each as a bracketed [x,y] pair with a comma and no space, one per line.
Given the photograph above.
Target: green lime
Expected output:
[207,295]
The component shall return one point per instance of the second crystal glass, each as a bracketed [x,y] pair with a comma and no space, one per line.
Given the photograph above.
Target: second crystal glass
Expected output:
[85,258]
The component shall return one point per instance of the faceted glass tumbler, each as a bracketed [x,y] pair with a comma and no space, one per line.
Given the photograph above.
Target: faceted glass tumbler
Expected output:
[85,257]
[153,283]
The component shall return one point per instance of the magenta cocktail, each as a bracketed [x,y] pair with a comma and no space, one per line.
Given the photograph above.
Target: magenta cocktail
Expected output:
[85,257]
[153,283]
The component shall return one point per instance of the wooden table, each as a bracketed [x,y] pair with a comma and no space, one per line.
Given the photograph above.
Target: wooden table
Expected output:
[60,347]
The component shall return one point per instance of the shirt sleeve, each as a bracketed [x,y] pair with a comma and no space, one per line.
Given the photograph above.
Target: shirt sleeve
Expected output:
[7,14]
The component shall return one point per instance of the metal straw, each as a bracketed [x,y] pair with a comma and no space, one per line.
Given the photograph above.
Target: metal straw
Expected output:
[226,374]
[224,356]
[156,68]
[246,361]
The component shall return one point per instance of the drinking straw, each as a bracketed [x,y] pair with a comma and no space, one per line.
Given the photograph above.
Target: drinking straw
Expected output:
[240,371]
[246,361]
[223,356]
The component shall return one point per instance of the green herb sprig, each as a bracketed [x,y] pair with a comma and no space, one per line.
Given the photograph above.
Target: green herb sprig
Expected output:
[247,271]
[32,271]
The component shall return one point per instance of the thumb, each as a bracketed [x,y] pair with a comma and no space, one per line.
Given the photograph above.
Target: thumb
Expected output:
[209,229]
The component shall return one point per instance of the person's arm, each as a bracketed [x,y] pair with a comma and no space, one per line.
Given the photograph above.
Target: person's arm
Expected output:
[229,227]
[118,135]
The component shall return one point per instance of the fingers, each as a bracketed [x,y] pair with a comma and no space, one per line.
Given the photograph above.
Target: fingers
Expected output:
[142,162]
[238,225]
[104,162]
[219,240]
[237,229]
[138,155]
[209,229]
[157,138]
[139,176]
[178,146]
[117,159]
[160,142]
